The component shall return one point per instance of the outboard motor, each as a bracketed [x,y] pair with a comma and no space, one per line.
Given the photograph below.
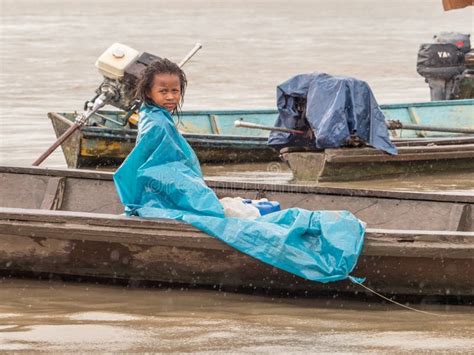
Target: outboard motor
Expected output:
[443,65]
[121,67]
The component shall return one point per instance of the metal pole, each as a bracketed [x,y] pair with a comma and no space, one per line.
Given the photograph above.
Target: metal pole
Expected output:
[193,51]
[240,123]
[391,124]
[394,124]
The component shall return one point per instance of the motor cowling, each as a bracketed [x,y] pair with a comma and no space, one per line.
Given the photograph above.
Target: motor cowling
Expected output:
[131,76]
[439,61]
[442,64]
[121,67]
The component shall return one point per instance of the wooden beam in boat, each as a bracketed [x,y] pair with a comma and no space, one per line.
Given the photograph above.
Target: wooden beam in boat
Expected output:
[244,186]
[460,218]
[53,196]
[82,174]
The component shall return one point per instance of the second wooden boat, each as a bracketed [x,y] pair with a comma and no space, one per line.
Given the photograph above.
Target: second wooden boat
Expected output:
[109,137]
[350,164]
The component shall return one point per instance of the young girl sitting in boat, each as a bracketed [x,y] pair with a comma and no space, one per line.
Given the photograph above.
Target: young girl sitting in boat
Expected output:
[161,149]
[163,84]
[162,178]
[161,90]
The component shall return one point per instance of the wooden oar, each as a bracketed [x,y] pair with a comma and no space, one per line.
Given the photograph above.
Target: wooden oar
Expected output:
[391,124]
[82,119]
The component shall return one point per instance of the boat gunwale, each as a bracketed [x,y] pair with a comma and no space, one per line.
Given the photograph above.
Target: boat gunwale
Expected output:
[469,102]
[118,228]
[127,133]
[267,187]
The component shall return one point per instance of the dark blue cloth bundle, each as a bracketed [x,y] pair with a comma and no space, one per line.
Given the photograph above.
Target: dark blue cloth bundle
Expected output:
[336,108]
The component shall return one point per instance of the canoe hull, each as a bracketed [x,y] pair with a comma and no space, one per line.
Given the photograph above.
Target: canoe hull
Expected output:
[51,222]
[117,247]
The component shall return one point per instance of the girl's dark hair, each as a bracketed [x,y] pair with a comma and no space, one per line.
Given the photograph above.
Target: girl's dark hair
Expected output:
[160,66]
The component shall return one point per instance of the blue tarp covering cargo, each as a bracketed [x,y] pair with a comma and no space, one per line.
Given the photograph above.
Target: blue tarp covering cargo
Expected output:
[335,108]
[161,178]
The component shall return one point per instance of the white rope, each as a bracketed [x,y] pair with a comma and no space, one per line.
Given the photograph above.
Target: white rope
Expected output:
[395,302]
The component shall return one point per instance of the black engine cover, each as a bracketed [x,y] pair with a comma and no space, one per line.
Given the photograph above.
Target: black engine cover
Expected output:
[134,72]
[440,61]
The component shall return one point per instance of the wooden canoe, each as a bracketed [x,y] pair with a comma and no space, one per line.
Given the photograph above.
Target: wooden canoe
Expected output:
[109,138]
[54,222]
[350,164]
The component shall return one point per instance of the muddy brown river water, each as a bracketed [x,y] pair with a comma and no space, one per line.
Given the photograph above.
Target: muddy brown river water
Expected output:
[69,317]
[47,55]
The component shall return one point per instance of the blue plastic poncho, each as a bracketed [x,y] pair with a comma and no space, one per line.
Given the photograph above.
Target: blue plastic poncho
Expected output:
[161,178]
[336,107]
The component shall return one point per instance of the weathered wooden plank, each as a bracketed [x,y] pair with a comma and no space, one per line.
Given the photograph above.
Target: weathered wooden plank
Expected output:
[99,219]
[444,196]
[110,234]
[82,174]
[242,186]
[112,226]
[457,217]
[424,149]
[53,196]
[404,157]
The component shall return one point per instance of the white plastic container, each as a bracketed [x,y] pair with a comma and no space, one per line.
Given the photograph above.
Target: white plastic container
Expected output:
[234,207]
[113,62]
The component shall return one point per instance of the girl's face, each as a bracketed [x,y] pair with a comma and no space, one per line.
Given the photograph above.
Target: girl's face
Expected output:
[166,91]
